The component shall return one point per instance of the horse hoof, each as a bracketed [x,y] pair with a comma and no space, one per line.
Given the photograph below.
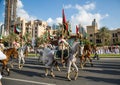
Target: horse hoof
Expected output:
[11,66]
[8,74]
[20,68]
[75,78]
[69,79]
[59,70]
[53,76]
[46,75]
[2,73]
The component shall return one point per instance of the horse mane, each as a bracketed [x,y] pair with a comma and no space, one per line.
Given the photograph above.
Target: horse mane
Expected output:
[8,49]
[54,42]
[75,46]
[87,47]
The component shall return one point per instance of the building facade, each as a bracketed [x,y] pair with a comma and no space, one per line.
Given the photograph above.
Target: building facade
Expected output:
[115,36]
[93,34]
[91,31]
[35,28]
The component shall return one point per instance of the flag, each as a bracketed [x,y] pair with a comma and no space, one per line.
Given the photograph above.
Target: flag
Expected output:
[17,29]
[77,29]
[65,24]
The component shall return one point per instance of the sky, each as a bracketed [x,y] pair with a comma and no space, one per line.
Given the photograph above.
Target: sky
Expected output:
[106,12]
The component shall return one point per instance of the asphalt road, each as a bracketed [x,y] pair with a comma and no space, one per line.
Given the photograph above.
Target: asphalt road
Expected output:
[104,72]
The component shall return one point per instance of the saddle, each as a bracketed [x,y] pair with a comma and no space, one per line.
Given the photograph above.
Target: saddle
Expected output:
[58,54]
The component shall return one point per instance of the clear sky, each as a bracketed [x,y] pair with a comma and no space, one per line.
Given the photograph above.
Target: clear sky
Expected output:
[106,12]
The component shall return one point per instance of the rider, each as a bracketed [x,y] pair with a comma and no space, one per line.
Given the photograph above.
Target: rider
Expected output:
[62,50]
[16,44]
[2,56]
[82,47]
[1,45]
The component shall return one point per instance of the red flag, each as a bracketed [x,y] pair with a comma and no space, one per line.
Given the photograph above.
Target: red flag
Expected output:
[77,29]
[15,29]
[64,21]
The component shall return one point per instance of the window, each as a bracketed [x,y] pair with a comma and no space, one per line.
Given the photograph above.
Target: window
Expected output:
[113,40]
[90,40]
[91,35]
[98,41]
[116,35]
[117,39]
[113,34]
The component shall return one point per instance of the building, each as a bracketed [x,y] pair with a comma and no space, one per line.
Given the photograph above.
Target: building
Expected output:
[91,31]
[35,28]
[93,34]
[115,36]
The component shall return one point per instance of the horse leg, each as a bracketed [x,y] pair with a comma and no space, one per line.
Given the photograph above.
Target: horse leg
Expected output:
[50,61]
[46,71]
[90,61]
[11,64]
[81,62]
[63,64]
[3,67]
[19,62]
[23,62]
[39,58]
[52,67]
[8,70]
[52,74]
[69,70]
[58,68]
[76,71]
[84,61]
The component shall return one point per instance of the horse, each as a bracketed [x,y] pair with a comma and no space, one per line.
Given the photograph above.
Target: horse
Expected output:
[85,55]
[71,61]
[22,53]
[8,52]
[43,54]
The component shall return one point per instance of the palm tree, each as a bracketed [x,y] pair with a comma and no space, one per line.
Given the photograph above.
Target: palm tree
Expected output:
[10,38]
[27,37]
[105,36]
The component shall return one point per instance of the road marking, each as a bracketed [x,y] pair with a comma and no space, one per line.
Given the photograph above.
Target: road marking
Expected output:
[34,82]
[42,66]
[100,69]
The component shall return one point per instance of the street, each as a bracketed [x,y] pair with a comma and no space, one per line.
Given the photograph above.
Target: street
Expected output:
[105,71]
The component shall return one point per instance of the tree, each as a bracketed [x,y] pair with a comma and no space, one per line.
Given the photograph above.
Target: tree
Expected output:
[104,35]
[27,37]
[10,38]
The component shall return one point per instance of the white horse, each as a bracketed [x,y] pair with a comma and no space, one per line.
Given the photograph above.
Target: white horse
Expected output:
[21,56]
[71,60]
